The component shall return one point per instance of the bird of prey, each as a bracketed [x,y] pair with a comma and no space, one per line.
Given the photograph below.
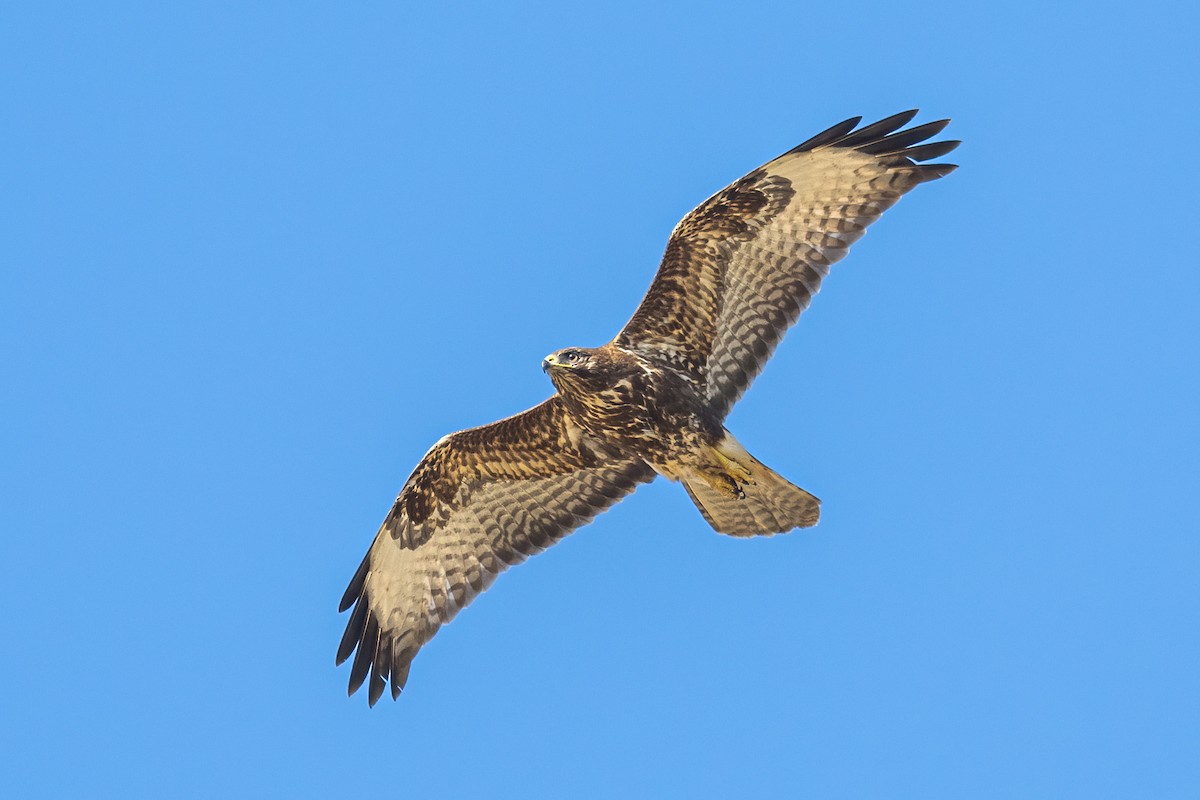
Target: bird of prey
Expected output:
[737,272]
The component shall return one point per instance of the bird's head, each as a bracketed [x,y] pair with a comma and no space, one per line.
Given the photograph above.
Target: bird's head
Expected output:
[577,359]
[586,369]
[572,369]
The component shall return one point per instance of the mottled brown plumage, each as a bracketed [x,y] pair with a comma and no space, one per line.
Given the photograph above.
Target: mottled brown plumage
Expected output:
[737,272]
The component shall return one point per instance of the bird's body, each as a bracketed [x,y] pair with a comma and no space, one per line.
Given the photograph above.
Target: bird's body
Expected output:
[637,408]
[738,271]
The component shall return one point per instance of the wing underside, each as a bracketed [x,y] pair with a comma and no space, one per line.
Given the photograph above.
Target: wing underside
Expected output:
[479,502]
[741,268]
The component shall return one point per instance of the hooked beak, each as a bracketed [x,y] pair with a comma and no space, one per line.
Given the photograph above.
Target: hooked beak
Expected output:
[548,362]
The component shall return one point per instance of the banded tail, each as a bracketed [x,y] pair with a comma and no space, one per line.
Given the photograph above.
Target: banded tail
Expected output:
[741,496]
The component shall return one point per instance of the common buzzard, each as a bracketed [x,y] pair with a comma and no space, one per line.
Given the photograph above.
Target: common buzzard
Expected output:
[737,272]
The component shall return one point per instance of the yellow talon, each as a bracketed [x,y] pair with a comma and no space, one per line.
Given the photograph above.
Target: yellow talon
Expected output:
[739,472]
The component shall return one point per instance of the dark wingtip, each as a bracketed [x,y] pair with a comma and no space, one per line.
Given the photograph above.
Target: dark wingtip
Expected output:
[931,172]
[383,666]
[354,590]
[883,138]
[924,152]
[400,672]
[876,130]
[375,690]
[831,134]
[900,149]
[353,633]
[365,655]
[896,142]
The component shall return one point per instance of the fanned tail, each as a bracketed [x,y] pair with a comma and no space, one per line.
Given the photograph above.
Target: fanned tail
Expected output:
[741,496]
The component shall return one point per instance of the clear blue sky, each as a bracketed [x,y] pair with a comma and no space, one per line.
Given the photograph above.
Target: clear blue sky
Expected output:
[257,258]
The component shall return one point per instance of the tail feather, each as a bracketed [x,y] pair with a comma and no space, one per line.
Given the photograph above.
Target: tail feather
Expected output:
[748,498]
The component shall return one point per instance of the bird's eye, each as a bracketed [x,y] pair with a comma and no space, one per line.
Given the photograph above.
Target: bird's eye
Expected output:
[571,355]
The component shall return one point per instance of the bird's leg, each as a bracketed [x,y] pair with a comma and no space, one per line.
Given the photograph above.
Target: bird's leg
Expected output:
[742,473]
[729,468]
[722,482]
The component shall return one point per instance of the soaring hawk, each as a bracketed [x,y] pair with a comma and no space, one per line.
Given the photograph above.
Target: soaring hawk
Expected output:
[737,272]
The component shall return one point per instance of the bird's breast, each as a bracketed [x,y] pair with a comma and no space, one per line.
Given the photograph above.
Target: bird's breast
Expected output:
[641,415]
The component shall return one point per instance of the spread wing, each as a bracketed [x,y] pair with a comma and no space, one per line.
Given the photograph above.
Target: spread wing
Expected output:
[479,501]
[742,266]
